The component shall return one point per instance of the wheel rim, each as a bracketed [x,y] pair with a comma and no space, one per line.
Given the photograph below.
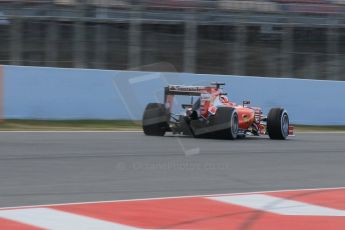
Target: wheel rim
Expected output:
[285,124]
[234,124]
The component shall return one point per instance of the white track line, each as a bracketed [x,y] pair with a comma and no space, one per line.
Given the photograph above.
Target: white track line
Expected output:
[175,197]
[278,205]
[73,131]
[135,131]
[321,132]
[47,218]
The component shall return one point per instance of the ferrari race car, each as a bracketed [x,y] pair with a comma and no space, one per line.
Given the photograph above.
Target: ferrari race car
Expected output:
[211,115]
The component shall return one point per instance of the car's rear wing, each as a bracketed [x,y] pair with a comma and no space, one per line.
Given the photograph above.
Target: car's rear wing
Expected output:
[173,90]
[184,90]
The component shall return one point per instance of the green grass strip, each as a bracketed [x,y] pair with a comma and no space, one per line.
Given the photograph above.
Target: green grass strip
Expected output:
[69,125]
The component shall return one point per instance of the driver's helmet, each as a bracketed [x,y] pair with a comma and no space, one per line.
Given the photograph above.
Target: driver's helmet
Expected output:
[224,99]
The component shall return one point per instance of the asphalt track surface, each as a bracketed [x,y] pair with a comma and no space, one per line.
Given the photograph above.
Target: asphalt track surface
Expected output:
[45,168]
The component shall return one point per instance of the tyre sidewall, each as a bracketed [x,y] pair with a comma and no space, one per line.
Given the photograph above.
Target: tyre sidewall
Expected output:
[278,124]
[226,123]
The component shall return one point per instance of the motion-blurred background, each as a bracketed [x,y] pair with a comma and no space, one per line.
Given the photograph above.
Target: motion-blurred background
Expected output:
[278,38]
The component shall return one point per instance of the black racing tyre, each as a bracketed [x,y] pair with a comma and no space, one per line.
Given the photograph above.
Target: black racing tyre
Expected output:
[278,124]
[225,123]
[199,129]
[155,120]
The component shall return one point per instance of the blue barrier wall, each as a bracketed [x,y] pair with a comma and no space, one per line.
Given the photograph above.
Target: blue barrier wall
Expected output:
[52,93]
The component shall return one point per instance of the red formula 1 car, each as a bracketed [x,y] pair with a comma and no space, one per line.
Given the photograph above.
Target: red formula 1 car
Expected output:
[212,115]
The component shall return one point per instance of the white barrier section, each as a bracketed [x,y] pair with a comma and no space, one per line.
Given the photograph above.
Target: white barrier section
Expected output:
[53,93]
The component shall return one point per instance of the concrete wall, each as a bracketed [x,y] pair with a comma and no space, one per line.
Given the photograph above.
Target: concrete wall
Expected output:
[51,93]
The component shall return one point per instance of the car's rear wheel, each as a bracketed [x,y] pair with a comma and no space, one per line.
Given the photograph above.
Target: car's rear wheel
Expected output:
[155,120]
[199,129]
[278,124]
[226,124]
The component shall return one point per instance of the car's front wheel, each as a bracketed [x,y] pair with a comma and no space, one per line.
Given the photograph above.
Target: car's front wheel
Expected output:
[278,124]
